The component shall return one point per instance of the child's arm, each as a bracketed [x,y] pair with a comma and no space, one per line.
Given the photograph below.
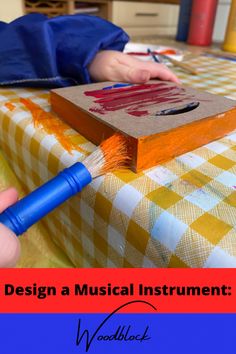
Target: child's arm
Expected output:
[9,243]
[38,51]
[68,50]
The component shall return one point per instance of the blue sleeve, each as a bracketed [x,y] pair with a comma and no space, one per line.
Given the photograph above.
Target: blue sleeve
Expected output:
[40,52]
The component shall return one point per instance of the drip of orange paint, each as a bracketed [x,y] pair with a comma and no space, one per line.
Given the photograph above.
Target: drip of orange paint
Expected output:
[51,124]
[10,106]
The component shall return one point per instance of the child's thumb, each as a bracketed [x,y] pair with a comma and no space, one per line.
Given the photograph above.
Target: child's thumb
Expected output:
[9,248]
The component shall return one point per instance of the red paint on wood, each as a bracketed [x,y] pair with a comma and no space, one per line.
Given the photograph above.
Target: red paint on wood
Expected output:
[136,99]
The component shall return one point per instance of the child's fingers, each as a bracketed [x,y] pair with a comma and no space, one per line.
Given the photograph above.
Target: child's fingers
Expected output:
[163,73]
[7,198]
[159,71]
[137,76]
[115,66]
[129,74]
[9,244]
[156,70]
[9,248]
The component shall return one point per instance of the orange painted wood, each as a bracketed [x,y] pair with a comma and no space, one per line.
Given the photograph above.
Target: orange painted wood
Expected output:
[163,147]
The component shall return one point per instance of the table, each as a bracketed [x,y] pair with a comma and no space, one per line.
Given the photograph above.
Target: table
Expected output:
[179,214]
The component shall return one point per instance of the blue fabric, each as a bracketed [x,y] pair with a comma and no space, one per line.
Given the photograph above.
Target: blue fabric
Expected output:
[39,52]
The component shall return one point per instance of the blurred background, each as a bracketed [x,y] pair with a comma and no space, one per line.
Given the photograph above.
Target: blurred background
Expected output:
[140,19]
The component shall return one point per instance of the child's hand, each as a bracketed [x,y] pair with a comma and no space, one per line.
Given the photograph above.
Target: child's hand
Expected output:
[110,65]
[9,243]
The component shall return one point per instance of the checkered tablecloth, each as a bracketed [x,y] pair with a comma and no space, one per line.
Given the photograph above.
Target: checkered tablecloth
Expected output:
[179,214]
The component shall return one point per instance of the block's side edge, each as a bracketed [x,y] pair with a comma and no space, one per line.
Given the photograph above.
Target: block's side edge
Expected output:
[76,118]
[88,126]
[159,148]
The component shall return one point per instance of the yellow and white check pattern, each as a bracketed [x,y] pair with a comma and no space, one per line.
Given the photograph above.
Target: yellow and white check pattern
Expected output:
[178,214]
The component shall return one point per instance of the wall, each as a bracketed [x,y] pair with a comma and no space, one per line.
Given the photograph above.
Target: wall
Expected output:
[10,9]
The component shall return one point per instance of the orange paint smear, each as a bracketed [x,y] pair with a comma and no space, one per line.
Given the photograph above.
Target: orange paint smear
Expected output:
[52,125]
[10,106]
[167,52]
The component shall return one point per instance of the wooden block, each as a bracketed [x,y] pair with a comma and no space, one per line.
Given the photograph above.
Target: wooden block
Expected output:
[139,112]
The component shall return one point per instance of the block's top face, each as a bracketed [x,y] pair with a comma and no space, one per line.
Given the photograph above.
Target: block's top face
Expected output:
[132,109]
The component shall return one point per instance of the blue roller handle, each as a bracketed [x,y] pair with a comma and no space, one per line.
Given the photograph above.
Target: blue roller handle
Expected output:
[30,209]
